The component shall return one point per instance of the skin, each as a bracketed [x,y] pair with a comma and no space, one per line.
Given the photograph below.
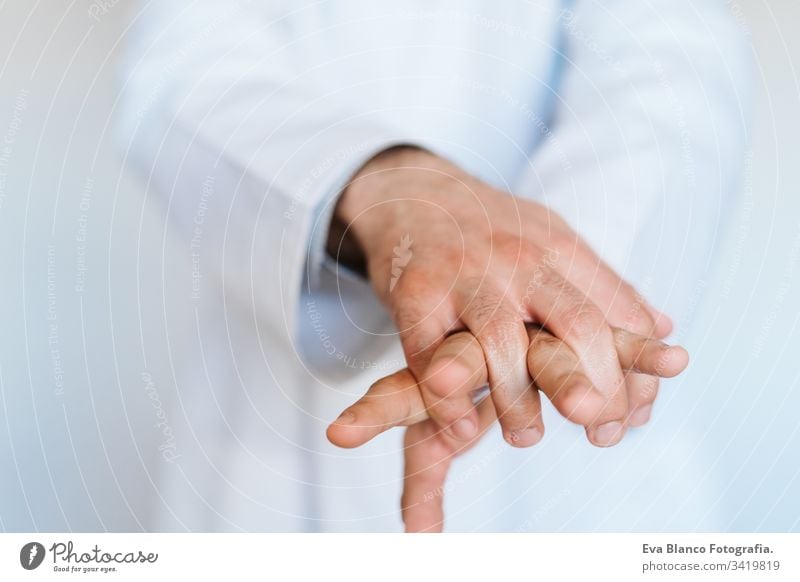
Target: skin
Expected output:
[458,368]
[484,261]
[469,273]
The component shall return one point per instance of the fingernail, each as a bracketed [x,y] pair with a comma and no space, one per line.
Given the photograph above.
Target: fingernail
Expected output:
[524,438]
[641,415]
[346,417]
[607,434]
[463,429]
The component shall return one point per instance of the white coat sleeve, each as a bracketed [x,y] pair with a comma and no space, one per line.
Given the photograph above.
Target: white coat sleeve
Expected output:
[645,149]
[240,142]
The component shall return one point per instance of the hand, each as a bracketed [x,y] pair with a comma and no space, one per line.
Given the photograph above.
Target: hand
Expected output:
[458,368]
[446,252]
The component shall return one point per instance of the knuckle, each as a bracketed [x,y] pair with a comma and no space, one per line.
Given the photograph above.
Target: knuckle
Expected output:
[541,275]
[549,277]
[574,407]
[542,343]
[501,337]
[415,343]
[440,448]
[435,393]
[584,321]
[542,340]
[614,409]
[413,282]
[644,389]
[445,411]
[486,316]
[462,338]
[485,304]
[474,288]
[410,310]
[392,384]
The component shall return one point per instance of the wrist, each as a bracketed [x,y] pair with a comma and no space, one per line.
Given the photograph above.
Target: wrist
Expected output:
[381,179]
[369,211]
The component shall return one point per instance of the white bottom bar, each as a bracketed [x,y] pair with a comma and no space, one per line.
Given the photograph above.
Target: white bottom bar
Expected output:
[389,557]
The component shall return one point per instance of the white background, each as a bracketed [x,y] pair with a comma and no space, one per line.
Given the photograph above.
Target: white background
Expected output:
[83,460]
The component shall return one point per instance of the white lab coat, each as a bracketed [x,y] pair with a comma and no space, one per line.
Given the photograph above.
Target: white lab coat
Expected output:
[625,116]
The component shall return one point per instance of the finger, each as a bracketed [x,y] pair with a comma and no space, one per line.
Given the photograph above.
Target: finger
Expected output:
[422,319]
[392,401]
[622,304]
[427,461]
[655,359]
[503,338]
[557,372]
[456,370]
[649,356]
[574,319]
[642,392]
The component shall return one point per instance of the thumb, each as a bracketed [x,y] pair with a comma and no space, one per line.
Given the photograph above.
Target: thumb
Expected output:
[391,401]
